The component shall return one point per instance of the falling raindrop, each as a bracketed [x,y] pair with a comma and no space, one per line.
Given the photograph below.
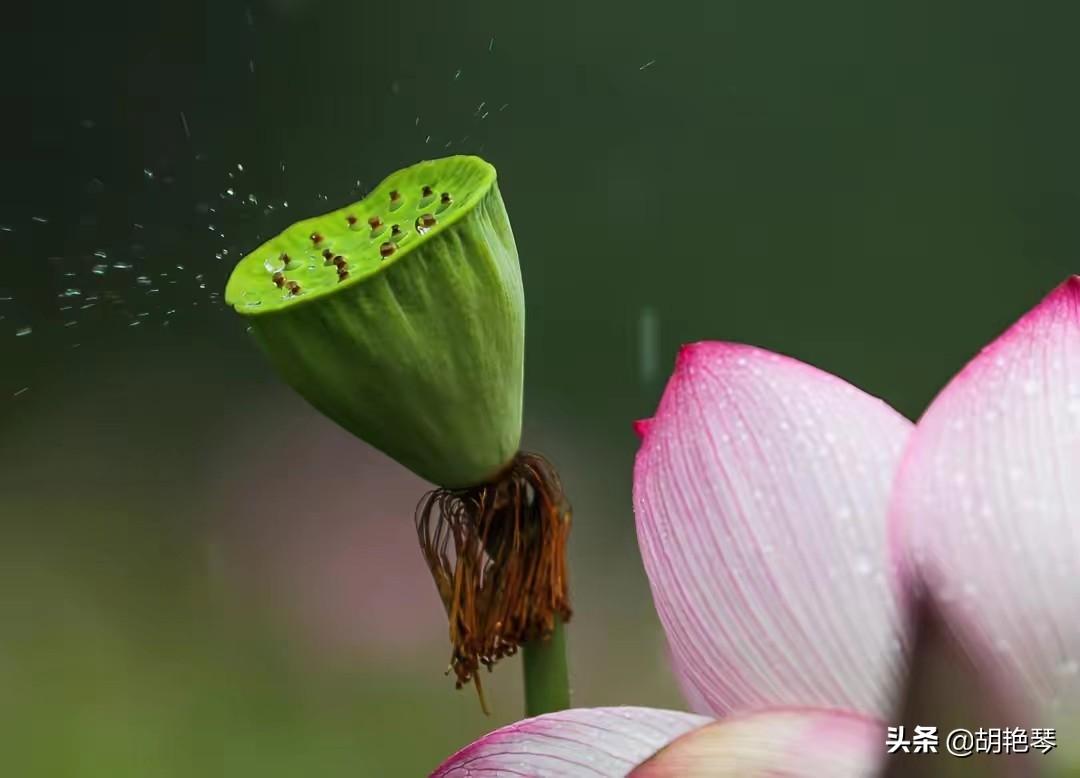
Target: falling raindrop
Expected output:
[648,344]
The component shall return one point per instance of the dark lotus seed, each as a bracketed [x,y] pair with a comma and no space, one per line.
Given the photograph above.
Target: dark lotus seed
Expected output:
[387,249]
[350,219]
[342,275]
[316,238]
[279,279]
[340,262]
[395,231]
[294,288]
[327,254]
[427,191]
[428,220]
[395,195]
[446,199]
[285,258]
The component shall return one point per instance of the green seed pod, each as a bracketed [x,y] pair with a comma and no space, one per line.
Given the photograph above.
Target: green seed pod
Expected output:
[402,318]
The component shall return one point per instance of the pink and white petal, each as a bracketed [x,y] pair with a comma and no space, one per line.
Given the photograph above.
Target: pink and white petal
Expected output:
[988,500]
[761,491]
[586,742]
[774,744]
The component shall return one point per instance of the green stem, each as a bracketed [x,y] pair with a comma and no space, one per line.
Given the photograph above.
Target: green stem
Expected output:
[547,681]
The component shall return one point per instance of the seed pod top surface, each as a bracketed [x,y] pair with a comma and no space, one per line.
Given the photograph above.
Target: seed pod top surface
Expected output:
[401,317]
[420,201]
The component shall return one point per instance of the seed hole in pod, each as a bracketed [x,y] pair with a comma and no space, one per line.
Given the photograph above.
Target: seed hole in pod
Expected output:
[386,250]
[427,197]
[293,287]
[377,226]
[279,279]
[425,222]
[395,200]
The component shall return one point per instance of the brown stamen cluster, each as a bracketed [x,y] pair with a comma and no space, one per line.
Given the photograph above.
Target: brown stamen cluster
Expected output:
[497,553]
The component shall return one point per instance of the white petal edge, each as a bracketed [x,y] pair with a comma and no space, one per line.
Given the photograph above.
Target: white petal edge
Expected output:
[986,510]
[761,493]
[582,742]
[794,743]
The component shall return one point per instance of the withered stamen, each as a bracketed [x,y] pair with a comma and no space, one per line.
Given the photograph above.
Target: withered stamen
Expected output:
[497,553]
[285,258]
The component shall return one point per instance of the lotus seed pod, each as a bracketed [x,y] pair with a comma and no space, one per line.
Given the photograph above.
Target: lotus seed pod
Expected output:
[411,338]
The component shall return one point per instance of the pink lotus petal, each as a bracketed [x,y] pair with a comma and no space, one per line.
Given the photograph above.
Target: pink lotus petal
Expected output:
[578,743]
[988,499]
[761,492]
[774,744]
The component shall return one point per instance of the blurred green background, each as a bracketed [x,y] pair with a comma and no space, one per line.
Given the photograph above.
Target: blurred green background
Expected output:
[200,576]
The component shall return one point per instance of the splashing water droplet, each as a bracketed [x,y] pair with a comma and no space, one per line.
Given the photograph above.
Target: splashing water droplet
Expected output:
[22,332]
